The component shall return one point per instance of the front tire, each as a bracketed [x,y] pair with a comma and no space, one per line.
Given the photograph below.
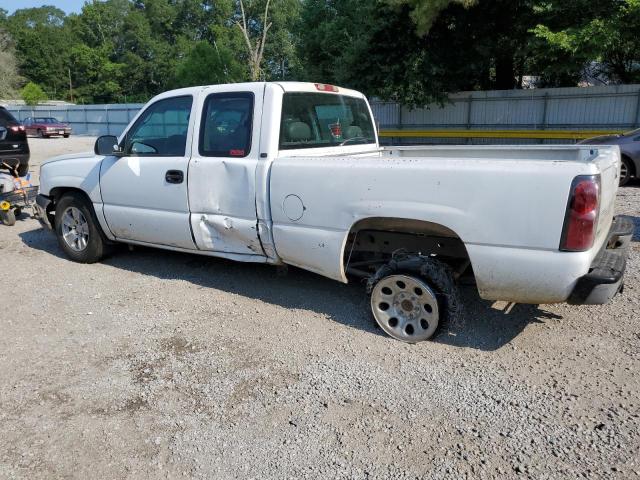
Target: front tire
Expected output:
[40,134]
[66,136]
[77,229]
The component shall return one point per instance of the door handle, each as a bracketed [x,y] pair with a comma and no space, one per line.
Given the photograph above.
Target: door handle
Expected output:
[174,176]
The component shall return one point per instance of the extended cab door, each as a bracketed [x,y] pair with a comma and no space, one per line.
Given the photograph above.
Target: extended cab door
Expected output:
[222,185]
[144,192]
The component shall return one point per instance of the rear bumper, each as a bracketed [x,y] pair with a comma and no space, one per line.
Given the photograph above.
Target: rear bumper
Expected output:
[41,209]
[606,274]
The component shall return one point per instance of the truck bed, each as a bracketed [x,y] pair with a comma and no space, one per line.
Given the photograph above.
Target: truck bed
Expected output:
[507,204]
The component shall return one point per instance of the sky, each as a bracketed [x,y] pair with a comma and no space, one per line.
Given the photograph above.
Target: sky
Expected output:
[68,6]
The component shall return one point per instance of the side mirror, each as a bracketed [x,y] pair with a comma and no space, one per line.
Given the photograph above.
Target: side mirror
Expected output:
[107,145]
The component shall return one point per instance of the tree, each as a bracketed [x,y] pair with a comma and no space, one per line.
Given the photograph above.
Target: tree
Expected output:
[9,77]
[206,65]
[425,12]
[32,94]
[602,34]
[255,42]
[42,43]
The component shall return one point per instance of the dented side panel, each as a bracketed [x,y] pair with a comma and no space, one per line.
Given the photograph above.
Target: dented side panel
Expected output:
[222,190]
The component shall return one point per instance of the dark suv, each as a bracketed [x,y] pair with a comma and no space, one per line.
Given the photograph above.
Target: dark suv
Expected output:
[14,149]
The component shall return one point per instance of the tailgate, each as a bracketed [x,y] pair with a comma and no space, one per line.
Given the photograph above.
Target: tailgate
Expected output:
[608,163]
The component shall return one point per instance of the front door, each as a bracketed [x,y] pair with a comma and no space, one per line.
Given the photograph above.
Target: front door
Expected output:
[144,192]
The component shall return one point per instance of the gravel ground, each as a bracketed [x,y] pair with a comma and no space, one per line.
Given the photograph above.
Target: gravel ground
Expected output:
[164,365]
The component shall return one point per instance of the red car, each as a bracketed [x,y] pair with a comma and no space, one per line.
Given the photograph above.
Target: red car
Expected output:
[45,127]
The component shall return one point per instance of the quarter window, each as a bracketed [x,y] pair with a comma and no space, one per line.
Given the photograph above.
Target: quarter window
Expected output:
[226,126]
[161,130]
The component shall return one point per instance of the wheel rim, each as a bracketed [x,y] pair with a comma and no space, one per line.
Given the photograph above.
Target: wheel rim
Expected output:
[405,307]
[75,229]
[624,171]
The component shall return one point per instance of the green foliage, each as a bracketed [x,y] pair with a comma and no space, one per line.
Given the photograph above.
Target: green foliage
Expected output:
[205,65]
[9,77]
[413,51]
[604,32]
[32,94]
[425,12]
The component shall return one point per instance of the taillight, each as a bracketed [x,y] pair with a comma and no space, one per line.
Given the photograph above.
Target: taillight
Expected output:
[581,218]
[17,129]
[323,87]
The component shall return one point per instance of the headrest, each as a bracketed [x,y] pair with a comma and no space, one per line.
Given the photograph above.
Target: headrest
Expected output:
[353,131]
[298,131]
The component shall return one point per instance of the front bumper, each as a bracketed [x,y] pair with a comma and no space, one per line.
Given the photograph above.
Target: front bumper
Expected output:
[41,211]
[606,274]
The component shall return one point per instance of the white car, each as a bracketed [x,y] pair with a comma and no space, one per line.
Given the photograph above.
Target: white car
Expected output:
[292,173]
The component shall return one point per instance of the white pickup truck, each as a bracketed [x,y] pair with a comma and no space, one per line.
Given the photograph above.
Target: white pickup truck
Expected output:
[292,173]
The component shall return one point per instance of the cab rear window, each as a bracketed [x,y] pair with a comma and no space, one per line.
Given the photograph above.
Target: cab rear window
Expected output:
[313,120]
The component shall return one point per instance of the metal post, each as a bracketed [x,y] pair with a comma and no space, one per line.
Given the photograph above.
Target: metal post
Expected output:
[544,111]
[544,114]
[106,108]
[469,107]
[86,119]
[636,120]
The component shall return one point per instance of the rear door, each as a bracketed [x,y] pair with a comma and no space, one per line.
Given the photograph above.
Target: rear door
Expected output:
[145,192]
[222,174]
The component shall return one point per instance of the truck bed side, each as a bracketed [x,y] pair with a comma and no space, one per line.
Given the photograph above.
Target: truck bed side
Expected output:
[507,205]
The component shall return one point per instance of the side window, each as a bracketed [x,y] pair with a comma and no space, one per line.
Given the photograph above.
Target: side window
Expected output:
[227,121]
[161,130]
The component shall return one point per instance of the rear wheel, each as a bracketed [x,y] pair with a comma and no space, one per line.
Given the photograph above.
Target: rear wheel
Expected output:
[412,296]
[66,136]
[40,134]
[78,231]
[626,171]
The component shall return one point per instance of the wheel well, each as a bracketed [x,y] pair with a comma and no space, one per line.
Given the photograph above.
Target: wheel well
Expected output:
[55,194]
[373,241]
[631,163]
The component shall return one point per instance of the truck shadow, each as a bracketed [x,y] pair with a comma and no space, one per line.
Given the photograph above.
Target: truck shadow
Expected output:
[482,326]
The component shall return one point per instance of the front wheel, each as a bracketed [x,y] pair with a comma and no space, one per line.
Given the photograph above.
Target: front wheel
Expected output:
[40,134]
[66,136]
[78,231]
[412,296]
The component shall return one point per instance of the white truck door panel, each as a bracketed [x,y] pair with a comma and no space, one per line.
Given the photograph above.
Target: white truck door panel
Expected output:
[144,192]
[226,151]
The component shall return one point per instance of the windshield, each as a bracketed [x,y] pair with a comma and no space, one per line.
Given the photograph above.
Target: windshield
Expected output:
[312,120]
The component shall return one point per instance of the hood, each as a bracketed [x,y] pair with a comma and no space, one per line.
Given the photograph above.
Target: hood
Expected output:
[69,156]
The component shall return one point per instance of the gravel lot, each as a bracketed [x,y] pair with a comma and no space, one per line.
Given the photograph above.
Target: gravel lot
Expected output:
[164,365]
